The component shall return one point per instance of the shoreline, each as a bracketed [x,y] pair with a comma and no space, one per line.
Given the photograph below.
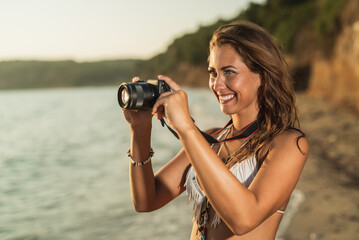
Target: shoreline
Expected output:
[296,200]
[330,177]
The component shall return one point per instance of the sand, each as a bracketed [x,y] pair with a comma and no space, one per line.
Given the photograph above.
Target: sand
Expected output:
[330,179]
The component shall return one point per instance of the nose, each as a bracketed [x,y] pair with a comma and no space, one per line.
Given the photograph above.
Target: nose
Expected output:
[218,83]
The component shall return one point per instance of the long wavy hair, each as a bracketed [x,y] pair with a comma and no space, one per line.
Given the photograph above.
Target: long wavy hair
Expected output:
[276,100]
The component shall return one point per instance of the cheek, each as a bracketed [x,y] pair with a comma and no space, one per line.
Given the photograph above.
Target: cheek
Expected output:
[237,84]
[253,83]
[256,79]
[246,88]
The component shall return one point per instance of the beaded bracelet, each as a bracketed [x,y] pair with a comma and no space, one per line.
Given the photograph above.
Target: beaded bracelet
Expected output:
[137,164]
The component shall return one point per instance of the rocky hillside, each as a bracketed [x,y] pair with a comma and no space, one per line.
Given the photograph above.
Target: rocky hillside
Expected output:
[336,77]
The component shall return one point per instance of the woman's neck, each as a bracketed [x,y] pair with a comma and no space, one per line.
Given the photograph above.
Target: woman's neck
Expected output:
[240,122]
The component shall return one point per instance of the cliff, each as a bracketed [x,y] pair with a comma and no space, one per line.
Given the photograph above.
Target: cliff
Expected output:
[336,77]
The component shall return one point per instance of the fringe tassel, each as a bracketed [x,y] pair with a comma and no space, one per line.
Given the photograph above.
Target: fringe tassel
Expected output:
[244,171]
[216,220]
[194,193]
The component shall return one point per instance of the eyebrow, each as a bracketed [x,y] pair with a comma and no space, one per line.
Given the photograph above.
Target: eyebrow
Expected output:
[223,68]
[229,66]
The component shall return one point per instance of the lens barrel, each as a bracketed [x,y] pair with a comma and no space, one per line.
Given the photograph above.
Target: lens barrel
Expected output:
[139,95]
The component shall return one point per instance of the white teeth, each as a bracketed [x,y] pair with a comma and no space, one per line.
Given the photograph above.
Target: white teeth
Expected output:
[225,98]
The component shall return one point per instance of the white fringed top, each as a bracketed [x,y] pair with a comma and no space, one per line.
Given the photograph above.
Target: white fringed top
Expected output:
[244,171]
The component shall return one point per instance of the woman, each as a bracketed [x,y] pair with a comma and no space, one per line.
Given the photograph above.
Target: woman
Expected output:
[239,188]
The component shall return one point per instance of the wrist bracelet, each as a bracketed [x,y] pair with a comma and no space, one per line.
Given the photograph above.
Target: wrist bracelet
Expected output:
[137,164]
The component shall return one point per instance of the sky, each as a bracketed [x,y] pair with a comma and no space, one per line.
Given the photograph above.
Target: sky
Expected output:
[92,30]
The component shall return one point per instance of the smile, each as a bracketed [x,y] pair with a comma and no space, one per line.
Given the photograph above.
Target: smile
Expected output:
[226,98]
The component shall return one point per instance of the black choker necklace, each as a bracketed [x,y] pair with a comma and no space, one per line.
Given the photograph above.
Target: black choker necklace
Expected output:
[247,132]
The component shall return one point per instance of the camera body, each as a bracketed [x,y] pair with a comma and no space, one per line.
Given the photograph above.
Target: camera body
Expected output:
[142,94]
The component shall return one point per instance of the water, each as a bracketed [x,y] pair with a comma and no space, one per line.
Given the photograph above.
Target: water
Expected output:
[64,168]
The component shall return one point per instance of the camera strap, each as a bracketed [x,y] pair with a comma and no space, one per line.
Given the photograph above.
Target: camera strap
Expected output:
[251,129]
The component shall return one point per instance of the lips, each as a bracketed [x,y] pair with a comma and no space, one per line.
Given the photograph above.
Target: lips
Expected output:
[225,98]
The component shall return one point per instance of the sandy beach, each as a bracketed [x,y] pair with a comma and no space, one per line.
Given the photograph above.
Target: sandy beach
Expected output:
[330,180]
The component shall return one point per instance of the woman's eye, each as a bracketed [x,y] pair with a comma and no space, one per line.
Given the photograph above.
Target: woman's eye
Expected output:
[227,72]
[212,73]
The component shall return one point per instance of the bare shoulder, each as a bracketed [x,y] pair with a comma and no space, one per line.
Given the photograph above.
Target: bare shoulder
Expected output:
[291,144]
[291,140]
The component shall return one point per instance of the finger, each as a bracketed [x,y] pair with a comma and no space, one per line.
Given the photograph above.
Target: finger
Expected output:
[164,94]
[173,85]
[135,79]
[129,110]
[158,107]
[160,101]
[161,112]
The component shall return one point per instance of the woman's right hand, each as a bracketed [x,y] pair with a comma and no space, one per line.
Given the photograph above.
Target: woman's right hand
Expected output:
[137,118]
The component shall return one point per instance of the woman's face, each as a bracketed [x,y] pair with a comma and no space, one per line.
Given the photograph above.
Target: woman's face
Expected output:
[234,85]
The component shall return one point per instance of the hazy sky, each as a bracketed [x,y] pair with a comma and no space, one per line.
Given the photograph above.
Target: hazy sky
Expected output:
[102,29]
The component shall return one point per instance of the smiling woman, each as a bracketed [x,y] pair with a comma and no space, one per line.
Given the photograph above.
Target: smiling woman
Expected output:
[241,185]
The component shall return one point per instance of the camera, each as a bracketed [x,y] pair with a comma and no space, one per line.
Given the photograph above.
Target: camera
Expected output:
[142,94]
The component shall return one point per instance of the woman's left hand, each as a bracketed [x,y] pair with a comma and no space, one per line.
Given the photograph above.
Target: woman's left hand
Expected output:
[173,106]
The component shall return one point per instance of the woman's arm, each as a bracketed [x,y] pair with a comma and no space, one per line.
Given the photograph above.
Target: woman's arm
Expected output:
[142,180]
[151,191]
[240,208]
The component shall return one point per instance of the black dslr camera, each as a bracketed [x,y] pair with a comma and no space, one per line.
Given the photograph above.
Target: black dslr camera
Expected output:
[142,94]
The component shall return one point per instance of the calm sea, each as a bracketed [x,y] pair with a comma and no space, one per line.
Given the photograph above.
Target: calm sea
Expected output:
[64,169]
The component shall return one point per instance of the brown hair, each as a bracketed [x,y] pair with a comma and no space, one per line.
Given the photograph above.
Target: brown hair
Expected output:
[276,101]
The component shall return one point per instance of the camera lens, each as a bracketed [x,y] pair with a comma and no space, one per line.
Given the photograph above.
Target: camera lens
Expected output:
[125,96]
[139,95]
